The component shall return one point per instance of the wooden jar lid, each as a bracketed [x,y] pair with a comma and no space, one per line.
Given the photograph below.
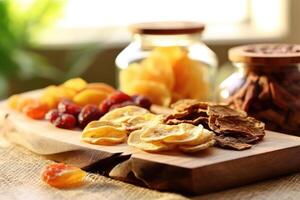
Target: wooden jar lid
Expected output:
[266,54]
[167,28]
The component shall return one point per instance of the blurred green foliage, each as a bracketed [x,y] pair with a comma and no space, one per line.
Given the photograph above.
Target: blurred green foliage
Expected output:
[21,22]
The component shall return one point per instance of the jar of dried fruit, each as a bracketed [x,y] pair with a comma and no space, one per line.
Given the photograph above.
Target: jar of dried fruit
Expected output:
[166,62]
[266,84]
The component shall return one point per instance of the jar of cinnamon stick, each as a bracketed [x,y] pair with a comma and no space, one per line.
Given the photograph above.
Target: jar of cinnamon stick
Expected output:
[266,84]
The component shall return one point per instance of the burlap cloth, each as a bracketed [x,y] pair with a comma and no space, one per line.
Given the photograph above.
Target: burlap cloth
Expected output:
[20,179]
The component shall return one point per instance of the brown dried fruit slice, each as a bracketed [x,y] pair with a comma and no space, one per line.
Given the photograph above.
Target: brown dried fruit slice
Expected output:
[231,143]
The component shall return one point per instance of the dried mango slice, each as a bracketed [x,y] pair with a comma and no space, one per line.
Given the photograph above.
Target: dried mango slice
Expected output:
[90,96]
[103,133]
[77,84]
[134,140]
[196,148]
[123,114]
[191,135]
[161,132]
[156,92]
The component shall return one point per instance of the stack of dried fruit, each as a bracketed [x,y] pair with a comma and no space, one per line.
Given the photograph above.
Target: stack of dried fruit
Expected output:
[146,131]
[233,128]
[75,103]
[166,75]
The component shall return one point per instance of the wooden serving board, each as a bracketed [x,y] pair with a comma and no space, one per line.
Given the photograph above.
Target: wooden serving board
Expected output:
[211,170]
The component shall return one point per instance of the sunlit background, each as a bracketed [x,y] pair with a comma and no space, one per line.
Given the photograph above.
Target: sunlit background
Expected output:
[48,41]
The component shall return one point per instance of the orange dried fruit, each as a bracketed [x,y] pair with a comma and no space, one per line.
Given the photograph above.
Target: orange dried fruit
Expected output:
[77,84]
[172,53]
[23,102]
[90,96]
[13,101]
[36,110]
[156,92]
[101,86]
[60,175]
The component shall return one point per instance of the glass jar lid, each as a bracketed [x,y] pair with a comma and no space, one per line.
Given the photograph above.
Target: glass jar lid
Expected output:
[167,28]
[266,54]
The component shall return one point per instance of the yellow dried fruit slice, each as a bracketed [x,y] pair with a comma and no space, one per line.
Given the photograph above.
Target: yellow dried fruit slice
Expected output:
[90,96]
[161,132]
[103,133]
[196,148]
[144,120]
[134,140]
[123,114]
[156,92]
[101,86]
[191,135]
[77,84]
[205,136]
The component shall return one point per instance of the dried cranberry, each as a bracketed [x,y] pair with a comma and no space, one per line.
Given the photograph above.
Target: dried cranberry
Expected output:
[88,113]
[123,104]
[115,98]
[142,101]
[52,115]
[66,121]
[69,107]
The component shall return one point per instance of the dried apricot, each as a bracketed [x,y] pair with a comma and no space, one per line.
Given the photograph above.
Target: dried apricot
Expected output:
[13,101]
[101,86]
[77,84]
[35,110]
[90,96]
[60,175]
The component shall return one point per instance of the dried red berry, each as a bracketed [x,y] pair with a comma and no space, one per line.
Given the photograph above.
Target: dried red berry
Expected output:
[123,104]
[66,121]
[142,101]
[52,115]
[67,106]
[88,113]
[115,98]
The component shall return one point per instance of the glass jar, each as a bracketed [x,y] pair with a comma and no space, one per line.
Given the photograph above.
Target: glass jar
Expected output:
[166,62]
[266,84]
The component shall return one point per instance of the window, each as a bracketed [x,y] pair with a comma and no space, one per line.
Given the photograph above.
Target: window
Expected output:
[225,20]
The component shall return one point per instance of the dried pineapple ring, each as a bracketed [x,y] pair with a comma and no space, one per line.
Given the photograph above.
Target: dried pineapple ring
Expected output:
[123,114]
[191,135]
[134,140]
[156,92]
[90,96]
[196,148]
[77,84]
[103,133]
[161,132]
[144,120]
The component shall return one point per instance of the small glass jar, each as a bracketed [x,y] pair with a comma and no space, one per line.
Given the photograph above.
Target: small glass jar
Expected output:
[182,40]
[266,84]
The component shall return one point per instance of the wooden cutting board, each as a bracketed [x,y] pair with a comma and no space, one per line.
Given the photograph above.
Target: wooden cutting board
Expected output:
[211,170]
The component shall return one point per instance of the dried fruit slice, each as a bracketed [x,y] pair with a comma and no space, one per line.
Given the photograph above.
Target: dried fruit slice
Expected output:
[172,54]
[141,121]
[90,96]
[77,84]
[36,110]
[60,175]
[196,148]
[205,136]
[192,134]
[134,140]
[123,114]
[156,92]
[161,132]
[103,133]
[101,86]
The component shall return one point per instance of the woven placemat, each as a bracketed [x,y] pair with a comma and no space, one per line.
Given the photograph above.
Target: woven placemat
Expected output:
[20,179]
